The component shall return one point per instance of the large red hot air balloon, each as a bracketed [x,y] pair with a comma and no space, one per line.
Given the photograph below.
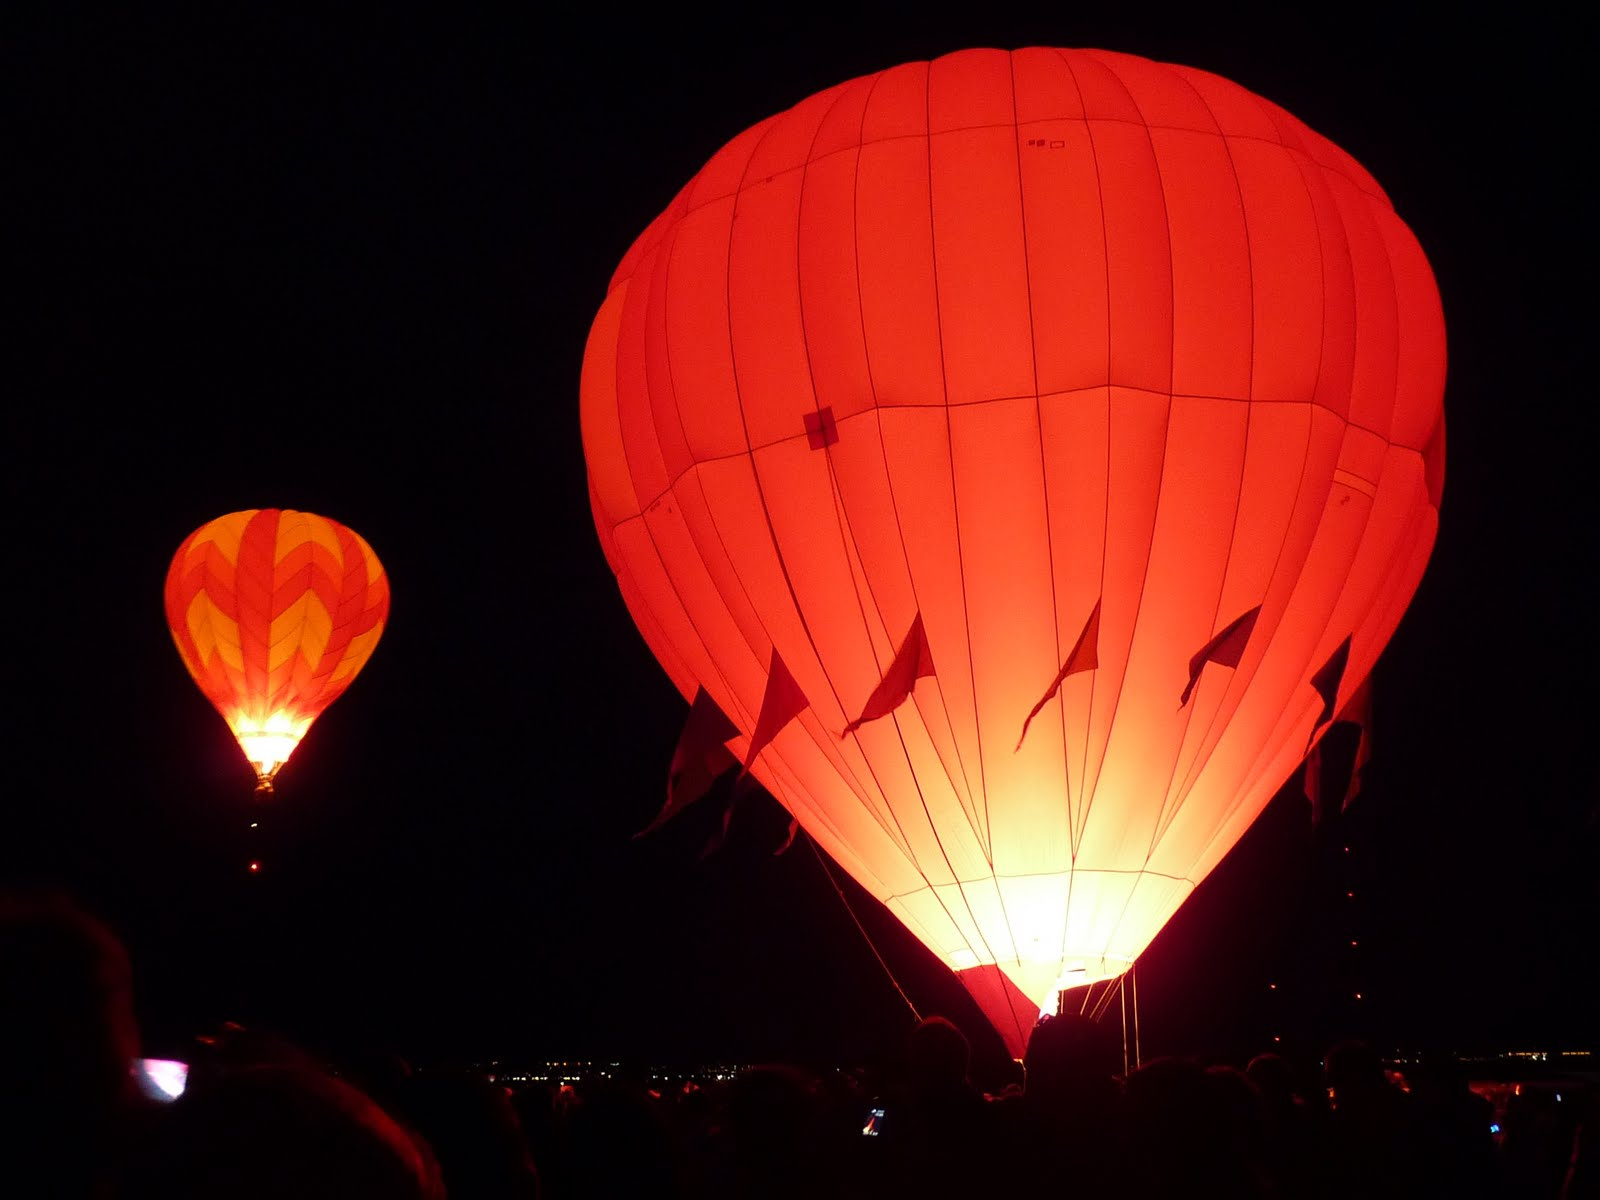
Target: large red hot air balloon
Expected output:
[274,613]
[1031,451]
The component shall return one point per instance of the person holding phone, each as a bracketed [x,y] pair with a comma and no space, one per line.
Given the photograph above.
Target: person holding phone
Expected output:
[70,1105]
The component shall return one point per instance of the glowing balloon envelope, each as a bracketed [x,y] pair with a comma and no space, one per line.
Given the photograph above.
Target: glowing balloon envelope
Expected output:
[1029,451]
[274,613]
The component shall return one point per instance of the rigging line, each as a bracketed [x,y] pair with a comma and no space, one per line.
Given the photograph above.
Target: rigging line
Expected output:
[1110,993]
[843,899]
[1122,990]
[1133,984]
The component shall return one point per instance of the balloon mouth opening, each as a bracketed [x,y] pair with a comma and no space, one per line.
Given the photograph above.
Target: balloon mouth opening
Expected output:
[267,744]
[1079,976]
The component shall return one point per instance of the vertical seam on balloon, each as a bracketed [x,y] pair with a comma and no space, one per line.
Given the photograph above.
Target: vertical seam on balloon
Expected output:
[1264,758]
[1366,201]
[771,530]
[1284,729]
[846,530]
[1044,474]
[1252,772]
[896,834]
[1156,517]
[1300,159]
[911,577]
[278,695]
[1172,800]
[663,256]
[265,517]
[663,250]
[1081,827]
[1076,828]
[955,504]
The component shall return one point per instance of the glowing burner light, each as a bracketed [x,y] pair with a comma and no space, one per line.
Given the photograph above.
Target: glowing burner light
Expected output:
[268,744]
[1074,976]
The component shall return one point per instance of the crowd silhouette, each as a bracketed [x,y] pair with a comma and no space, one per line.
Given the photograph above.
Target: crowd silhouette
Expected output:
[260,1117]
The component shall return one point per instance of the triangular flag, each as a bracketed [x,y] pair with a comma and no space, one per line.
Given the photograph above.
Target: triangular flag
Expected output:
[714,843]
[1084,657]
[782,702]
[1225,649]
[1327,680]
[1311,784]
[1333,767]
[911,663]
[1358,711]
[699,759]
[794,832]
[743,785]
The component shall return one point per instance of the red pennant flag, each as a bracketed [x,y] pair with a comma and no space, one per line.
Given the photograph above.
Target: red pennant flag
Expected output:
[782,702]
[1359,712]
[1333,767]
[1311,785]
[794,832]
[699,759]
[1084,657]
[1327,680]
[743,785]
[911,663]
[1225,649]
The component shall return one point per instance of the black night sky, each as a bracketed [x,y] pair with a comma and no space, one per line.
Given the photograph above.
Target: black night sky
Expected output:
[347,264]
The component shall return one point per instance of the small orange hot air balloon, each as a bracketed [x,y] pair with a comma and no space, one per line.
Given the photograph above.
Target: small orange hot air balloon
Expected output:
[274,613]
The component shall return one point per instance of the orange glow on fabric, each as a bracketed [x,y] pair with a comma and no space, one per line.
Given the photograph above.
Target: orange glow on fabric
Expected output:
[274,612]
[1079,367]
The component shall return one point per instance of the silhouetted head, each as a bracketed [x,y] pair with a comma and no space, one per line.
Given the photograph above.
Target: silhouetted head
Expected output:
[68,1040]
[1070,1059]
[475,1134]
[1273,1076]
[938,1055]
[67,1027]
